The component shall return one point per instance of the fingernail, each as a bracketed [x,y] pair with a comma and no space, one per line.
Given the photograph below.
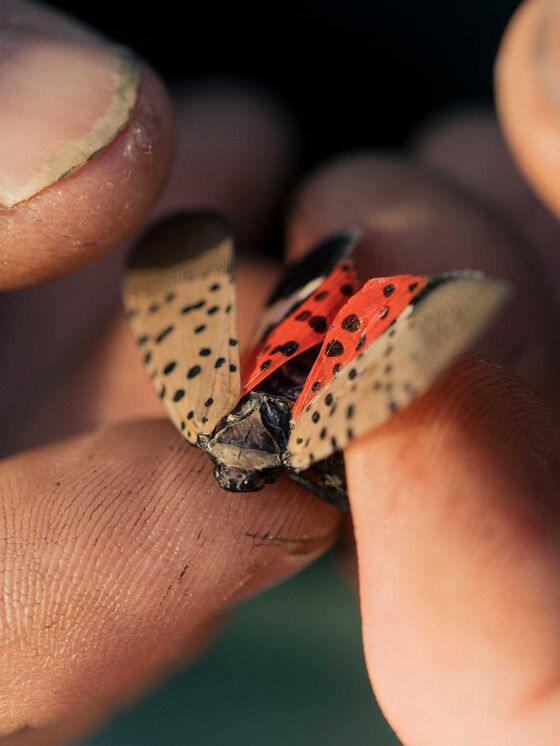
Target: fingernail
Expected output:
[548,50]
[64,95]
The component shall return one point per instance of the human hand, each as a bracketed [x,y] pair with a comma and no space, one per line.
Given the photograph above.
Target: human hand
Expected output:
[458,622]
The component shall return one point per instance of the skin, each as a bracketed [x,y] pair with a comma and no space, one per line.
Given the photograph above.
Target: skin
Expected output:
[456,534]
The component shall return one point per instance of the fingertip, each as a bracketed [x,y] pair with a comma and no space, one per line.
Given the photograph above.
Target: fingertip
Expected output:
[527,84]
[78,219]
[466,146]
[84,180]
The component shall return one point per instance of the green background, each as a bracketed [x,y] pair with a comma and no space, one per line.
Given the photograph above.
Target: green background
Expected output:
[289,669]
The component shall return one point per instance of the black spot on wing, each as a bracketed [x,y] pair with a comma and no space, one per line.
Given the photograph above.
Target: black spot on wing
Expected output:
[193,306]
[318,324]
[290,348]
[361,343]
[351,323]
[334,348]
[164,333]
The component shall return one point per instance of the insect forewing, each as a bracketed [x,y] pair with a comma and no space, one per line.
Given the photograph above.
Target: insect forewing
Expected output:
[302,307]
[441,321]
[179,296]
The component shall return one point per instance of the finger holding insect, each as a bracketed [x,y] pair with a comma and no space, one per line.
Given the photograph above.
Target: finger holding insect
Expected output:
[455,519]
[450,498]
[148,549]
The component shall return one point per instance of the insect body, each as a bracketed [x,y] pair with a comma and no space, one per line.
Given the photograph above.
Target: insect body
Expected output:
[331,359]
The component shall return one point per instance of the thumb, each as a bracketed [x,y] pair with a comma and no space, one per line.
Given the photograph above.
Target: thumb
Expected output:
[456,514]
[528,94]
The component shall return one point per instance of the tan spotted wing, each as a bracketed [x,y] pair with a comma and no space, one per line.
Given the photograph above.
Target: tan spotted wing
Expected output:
[179,296]
[390,371]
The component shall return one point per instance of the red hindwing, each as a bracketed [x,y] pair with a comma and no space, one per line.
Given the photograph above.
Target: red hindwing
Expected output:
[362,319]
[303,328]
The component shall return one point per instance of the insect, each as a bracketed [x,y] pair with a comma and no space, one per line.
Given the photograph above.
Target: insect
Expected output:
[331,359]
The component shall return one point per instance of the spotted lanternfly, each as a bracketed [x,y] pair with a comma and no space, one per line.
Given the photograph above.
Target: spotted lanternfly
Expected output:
[331,358]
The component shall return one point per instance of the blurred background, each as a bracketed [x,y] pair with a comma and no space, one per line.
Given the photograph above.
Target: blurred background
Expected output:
[353,73]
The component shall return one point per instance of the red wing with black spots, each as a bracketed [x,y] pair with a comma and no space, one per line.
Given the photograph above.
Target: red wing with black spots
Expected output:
[302,307]
[362,319]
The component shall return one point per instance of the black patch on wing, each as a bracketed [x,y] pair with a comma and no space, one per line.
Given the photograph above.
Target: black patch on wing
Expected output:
[179,238]
[431,285]
[319,262]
